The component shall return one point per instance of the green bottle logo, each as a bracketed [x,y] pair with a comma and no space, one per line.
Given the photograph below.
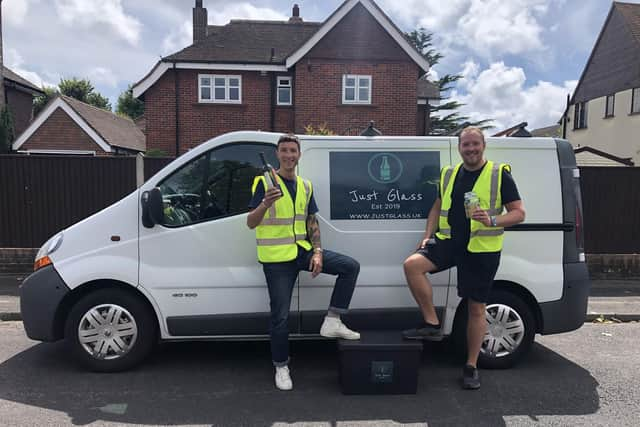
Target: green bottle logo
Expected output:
[385,169]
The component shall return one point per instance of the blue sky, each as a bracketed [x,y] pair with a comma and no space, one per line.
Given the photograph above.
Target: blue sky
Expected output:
[519,58]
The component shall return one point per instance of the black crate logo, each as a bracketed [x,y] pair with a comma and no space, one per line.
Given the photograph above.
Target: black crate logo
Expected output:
[381,372]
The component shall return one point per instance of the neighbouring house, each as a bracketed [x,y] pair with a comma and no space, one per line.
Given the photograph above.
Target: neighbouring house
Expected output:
[68,126]
[351,69]
[604,111]
[19,94]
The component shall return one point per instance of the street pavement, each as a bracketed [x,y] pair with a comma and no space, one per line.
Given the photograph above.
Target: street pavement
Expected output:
[617,299]
[587,377]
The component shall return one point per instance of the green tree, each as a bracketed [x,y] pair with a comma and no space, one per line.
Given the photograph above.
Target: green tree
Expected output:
[41,100]
[450,120]
[128,105]
[83,90]
[7,132]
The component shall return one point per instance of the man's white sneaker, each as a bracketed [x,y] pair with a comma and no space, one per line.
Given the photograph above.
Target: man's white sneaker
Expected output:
[332,327]
[283,379]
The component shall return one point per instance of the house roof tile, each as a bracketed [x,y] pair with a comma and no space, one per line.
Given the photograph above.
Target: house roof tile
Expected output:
[115,130]
[244,41]
[11,75]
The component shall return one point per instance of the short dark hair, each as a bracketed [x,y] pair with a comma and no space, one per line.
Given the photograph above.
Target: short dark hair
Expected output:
[289,137]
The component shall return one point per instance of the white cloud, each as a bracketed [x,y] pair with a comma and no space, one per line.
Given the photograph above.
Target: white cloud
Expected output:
[14,61]
[178,39]
[93,14]
[499,93]
[15,11]
[243,11]
[102,75]
[490,28]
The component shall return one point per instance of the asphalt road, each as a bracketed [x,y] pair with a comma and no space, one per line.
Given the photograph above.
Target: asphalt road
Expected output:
[585,378]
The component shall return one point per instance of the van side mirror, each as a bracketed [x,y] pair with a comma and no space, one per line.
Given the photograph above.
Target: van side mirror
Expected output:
[152,208]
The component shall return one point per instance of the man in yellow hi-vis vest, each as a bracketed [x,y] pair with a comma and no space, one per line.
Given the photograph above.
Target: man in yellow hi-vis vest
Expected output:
[468,222]
[288,241]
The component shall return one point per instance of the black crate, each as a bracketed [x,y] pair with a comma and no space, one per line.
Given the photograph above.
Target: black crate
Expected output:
[379,363]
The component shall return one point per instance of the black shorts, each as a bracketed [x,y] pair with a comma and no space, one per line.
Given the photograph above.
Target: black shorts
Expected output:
[476,271]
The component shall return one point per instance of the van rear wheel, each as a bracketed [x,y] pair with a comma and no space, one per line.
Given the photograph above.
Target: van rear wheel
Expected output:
[110,330]
[510,330]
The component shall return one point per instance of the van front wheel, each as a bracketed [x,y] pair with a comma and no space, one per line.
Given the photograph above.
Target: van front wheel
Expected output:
[110,330]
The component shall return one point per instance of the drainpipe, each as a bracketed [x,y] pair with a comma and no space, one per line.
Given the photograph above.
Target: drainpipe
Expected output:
[177,108]
[274,94]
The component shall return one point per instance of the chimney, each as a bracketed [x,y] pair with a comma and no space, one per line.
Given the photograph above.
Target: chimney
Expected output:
[295,15]
[200,22]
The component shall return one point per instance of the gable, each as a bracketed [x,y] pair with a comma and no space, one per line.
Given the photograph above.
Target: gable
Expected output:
[60,132]
[614,62]
[367,40]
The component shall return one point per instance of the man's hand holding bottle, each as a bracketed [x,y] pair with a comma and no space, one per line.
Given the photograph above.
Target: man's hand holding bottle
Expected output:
[271,195]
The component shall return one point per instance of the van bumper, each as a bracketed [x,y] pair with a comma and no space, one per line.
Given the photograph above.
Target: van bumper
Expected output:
[570,311]
[40,296]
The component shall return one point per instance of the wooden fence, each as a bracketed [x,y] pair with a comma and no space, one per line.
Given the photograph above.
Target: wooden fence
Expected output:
[40,195]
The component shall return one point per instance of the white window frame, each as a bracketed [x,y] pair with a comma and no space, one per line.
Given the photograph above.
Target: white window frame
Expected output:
[212,88]
[290,87]
[635,100]
[358,78]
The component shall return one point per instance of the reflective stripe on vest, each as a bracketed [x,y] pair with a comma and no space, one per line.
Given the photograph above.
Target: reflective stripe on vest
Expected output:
[487,187]
[283,227]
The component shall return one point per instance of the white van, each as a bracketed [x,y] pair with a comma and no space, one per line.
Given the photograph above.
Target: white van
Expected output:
[175,260]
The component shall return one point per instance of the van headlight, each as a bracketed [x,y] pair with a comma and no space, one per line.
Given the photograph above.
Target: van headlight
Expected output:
[52,245]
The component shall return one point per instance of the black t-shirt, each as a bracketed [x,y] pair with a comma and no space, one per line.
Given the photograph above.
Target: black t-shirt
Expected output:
[292,186]
[464,182]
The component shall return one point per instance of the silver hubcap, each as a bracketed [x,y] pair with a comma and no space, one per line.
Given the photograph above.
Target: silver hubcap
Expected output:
[107,331]
[505,331]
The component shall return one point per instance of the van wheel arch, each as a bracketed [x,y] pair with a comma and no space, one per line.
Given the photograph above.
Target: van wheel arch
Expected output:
[81,291]
[458,336]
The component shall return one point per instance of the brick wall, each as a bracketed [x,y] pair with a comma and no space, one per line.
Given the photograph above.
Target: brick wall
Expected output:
[60,132]
[199,122]
[357,45]
[21,107]
[17,260]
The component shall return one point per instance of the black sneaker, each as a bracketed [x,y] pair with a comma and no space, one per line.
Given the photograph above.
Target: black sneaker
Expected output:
[426,331]
[470,378]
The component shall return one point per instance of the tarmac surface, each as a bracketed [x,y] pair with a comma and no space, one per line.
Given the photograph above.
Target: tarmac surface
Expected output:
[609,299]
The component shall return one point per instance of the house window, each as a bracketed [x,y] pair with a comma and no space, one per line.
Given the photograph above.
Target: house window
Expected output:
[219,89]
[284,91]
[580,116]
[608,110]
[356,89]
[635,100]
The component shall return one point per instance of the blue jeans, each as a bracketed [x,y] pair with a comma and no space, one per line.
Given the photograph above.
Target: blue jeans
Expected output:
[281,278]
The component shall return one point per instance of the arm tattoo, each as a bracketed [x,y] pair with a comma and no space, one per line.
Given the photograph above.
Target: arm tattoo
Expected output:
[313,231]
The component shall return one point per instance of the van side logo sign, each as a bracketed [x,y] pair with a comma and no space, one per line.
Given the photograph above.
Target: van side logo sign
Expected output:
[385,168]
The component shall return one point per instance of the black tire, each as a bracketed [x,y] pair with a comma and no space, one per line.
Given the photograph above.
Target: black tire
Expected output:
[518,309]
[136,322]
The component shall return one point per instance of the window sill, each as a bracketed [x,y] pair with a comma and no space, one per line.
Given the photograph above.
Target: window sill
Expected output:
[219,104]
[285,106]
[609,117]
[579,129]
[635,113]
[357,105]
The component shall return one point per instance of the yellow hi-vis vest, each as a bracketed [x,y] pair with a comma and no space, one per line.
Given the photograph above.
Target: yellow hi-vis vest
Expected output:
[284,225]
[487,187]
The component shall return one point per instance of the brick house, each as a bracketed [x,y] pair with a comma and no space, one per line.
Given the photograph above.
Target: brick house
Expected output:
[67,126]
[19,94]
[281,76]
